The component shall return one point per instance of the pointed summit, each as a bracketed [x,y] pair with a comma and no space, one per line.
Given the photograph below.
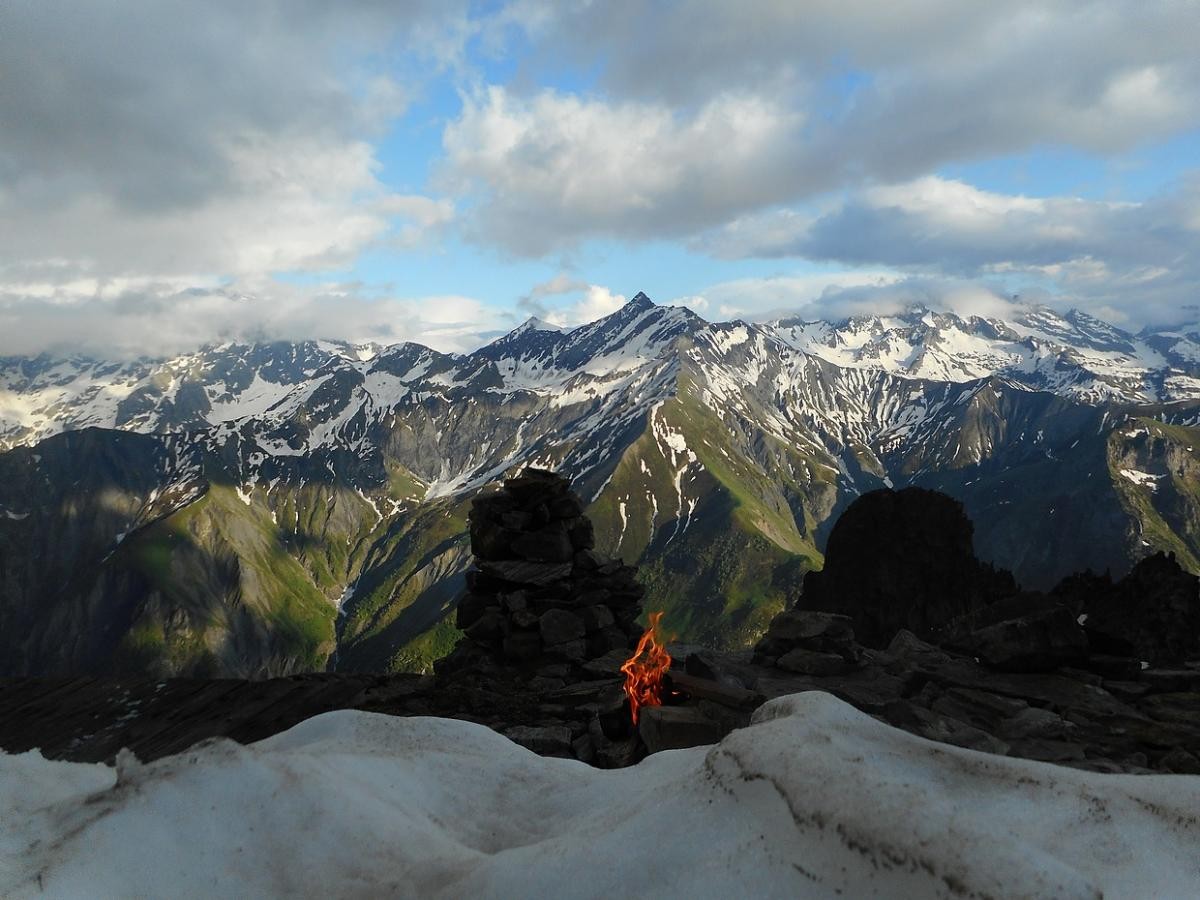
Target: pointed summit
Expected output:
[533,323]
[532,328]
[641,301]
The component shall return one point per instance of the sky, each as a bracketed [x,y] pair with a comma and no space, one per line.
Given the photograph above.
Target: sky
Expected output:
[176,173]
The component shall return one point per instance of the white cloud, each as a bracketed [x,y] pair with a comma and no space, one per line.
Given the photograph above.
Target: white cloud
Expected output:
[552,169]
[290,205]
[1094,74]
[151,148]
[171,141]
[597,302]
[1137,258]
[697,303]
[688,129]
[927,220]
[837,295]
[567,302]
[562,283]
[136,317]
[800,294]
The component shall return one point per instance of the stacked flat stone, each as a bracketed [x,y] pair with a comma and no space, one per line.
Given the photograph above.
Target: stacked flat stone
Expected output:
[810,643]
[539,596]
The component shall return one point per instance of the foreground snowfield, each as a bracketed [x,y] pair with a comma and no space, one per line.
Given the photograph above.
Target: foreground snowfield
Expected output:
[814,800]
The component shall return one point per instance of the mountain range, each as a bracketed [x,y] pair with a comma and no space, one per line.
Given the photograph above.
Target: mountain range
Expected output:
[266,508]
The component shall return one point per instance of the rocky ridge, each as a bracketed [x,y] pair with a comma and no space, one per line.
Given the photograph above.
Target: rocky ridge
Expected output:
[319,492]
[1096,674]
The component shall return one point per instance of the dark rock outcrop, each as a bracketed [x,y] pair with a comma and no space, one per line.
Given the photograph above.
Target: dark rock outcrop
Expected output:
[1152,614]
[903,560]
[1027,632]
[972,660]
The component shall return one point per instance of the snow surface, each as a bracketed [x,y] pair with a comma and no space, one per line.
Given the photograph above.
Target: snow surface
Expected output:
[814,800]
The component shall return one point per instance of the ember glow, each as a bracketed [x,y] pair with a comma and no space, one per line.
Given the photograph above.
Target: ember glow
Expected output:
[644,670]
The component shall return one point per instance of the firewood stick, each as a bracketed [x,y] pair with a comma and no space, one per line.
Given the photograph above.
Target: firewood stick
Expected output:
[704,689]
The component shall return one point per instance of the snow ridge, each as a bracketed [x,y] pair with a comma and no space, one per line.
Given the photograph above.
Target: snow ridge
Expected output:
[814,799]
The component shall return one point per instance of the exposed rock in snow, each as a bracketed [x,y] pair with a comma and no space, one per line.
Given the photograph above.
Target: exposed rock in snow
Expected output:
[814,800]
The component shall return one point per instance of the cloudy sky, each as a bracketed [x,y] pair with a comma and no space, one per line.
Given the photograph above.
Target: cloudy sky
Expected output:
[175,172]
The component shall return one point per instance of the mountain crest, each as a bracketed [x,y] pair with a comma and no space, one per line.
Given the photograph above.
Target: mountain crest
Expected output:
[533,323]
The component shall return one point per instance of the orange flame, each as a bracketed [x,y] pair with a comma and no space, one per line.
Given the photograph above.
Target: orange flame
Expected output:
[644,670]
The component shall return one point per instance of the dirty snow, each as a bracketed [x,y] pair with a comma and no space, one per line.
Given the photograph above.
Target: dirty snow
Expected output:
[814,800]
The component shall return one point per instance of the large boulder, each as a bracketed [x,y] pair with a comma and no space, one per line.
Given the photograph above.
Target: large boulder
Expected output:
[903,560]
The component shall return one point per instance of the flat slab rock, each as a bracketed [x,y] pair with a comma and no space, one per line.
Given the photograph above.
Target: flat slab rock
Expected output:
[677,727]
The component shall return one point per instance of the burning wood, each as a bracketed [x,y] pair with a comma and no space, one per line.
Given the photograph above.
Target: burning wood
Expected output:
[644,671]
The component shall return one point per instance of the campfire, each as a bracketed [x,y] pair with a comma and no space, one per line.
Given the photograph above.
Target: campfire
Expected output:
[678,708]
[646,671]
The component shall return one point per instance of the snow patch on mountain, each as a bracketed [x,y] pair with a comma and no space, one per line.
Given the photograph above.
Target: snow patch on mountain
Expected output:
[1142,479]
[1073,355]
[865,387]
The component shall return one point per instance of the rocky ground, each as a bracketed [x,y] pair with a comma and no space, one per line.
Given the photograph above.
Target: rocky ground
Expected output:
[1133,721]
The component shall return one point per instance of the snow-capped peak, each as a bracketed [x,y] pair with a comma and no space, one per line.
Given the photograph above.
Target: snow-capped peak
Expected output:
[1071,354]
[531,326]
[533,323]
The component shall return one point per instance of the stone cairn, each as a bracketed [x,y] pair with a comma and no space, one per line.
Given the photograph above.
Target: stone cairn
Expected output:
[540,601]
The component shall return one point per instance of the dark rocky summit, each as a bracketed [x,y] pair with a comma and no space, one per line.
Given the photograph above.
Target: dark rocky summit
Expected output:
[1096,674]
[903,559]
